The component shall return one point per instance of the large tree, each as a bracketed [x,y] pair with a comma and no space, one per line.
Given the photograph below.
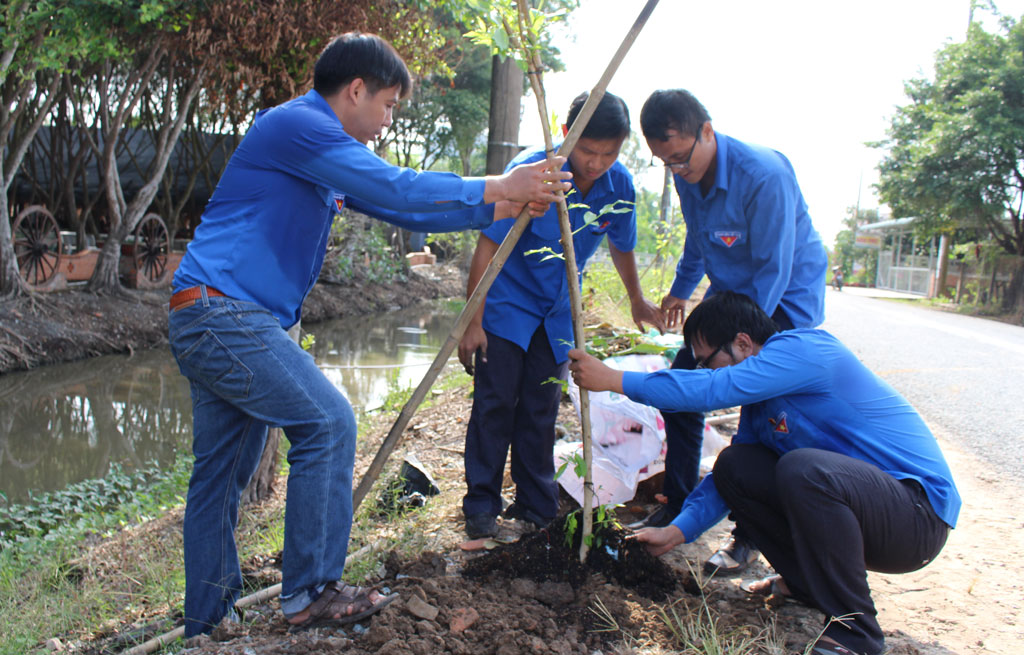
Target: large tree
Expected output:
[157,78]
[956,152]
[847,255]
[39,39]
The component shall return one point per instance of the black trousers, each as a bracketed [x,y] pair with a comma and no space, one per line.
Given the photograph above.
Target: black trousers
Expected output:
[513,406]
[684,433]
[823,520]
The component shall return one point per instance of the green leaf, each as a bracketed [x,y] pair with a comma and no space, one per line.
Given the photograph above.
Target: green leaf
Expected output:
[500,39]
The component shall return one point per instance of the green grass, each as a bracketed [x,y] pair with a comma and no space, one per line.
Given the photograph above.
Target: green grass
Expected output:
[47,591]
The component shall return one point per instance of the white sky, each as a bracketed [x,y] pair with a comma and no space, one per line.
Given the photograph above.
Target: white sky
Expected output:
[812,79]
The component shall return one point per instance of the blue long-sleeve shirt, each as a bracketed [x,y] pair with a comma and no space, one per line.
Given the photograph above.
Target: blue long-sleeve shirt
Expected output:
[752,234]
[264,232]
[529,290]
[804,389]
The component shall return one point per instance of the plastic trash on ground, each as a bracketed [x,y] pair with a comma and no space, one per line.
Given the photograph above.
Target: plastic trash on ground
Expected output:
[629,439]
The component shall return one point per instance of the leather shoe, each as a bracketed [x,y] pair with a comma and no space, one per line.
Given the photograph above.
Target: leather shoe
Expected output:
[518,512]
[481,525]
[733,557]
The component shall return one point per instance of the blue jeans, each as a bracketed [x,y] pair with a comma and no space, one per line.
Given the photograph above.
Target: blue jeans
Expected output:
[246,374]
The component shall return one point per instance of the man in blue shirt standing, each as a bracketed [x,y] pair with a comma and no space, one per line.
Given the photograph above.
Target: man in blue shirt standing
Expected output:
[748,230]
[521,335]
[831,473]
[254,258]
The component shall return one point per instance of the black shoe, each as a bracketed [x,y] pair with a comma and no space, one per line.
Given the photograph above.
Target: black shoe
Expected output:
[518,512]
[733,557]
[659,518]
[481,525]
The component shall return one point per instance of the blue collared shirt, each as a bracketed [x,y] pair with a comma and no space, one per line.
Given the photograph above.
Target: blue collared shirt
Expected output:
[529,292]
[752,235]
[264,232]
[804,389]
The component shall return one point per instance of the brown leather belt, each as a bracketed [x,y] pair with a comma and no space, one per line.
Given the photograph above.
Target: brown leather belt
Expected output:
[190,296]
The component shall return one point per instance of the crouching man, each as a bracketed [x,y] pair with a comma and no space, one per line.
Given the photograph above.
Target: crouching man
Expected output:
[832,473]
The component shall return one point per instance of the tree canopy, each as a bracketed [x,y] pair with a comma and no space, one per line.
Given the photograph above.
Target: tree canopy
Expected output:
[956,151]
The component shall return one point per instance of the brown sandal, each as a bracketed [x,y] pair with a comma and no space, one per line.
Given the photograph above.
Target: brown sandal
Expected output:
[341,604]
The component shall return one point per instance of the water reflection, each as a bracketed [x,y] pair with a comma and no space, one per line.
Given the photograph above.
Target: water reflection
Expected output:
[66,423]
[364,355]
[70,422]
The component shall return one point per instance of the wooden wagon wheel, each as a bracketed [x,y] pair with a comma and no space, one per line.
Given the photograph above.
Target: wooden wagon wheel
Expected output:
[37,245]
[152,243]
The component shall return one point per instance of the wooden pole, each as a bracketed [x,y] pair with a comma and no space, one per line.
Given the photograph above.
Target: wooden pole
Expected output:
[497,262]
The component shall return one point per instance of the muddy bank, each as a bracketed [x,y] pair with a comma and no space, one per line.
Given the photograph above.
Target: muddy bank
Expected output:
[74,324]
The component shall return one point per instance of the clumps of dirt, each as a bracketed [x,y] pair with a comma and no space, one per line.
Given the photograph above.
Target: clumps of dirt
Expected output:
[441,612]
[547,556]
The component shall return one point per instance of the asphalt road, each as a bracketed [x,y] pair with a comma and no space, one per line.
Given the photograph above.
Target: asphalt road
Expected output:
[965,375]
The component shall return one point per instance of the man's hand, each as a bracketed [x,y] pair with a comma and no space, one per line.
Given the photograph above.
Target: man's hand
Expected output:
[644,311]
[474,338]
[660,540]
[535,182]
[590,373]
[675,310]
[510,209]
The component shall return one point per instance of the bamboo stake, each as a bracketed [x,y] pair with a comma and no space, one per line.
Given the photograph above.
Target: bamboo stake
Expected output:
[531,55]
[497,262]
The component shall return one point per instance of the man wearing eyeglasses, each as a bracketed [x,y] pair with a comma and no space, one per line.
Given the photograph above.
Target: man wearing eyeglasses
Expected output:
[832,472]
[748,230]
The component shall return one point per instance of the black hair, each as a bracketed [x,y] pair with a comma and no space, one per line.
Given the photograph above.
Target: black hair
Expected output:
[672,109]
[366,56]
[718,319]
[610,119]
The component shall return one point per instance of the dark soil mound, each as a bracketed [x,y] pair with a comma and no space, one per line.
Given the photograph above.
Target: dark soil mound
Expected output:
[547,556]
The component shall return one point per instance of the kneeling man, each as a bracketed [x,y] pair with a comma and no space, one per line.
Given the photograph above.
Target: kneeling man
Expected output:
[832,472]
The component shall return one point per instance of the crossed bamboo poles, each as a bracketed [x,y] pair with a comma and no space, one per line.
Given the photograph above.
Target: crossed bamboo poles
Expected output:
[478,295]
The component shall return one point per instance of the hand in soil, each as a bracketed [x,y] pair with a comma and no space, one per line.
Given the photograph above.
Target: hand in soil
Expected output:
[660,540]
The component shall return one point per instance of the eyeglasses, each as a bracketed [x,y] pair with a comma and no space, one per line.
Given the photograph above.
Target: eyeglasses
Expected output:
[703,363]
[675,167]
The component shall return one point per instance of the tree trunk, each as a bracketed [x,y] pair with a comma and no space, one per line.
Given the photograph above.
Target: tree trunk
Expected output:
[261,485]
[503,130]
[10,280]
[106,277]
[1013,299]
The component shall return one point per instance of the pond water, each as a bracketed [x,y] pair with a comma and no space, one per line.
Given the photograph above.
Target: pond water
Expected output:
[70,422]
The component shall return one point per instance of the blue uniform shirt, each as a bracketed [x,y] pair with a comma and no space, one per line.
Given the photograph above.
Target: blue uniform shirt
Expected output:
[264,232]
[752,235]
[528,292]
[804,389]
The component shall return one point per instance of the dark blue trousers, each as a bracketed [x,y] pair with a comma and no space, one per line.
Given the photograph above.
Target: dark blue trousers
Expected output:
[513,406]
[823,519]
[684,432]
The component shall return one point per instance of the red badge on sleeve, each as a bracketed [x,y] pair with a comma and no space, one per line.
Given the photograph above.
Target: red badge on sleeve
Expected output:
[779,424]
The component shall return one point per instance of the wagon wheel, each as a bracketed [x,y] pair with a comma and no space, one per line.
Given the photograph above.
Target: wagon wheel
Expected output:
[37,245]
[152,243]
